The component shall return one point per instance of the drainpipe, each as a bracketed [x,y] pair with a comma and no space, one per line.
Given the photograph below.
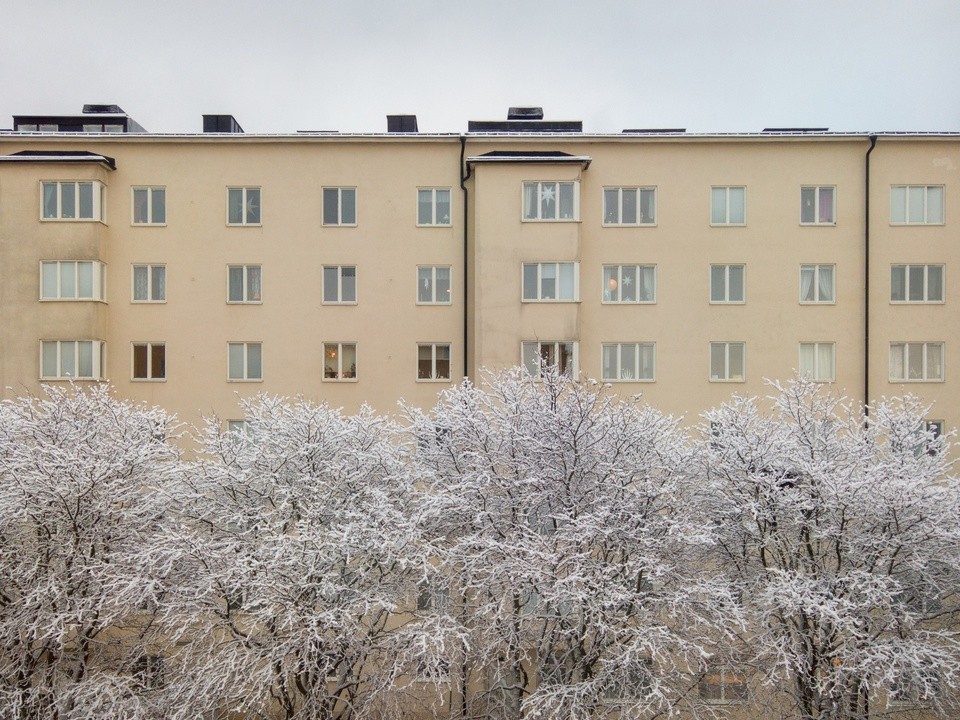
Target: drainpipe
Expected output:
[866,281]
[465,172]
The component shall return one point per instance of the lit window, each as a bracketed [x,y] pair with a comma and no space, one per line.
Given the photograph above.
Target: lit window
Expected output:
[628,362]
[244,361]
[244,284]
[339,361]
[916,362]
[722,684]
[629,284]
[433,285]
[433,361]
[550,281]
[551,200]
[76,201]
[916,283]
[339,284]
[817,361]
[243,206]
[629,206]
[68,280]
[818,205]
[562,355]
[726,283]
[433,206]
[339,206]
[71,359]
[149,283]
[149,361]
[817,284]
[726,361]
[149,205]
[916,205]
[728,206]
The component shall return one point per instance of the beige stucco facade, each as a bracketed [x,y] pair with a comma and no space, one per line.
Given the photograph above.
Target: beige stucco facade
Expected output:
[485,244]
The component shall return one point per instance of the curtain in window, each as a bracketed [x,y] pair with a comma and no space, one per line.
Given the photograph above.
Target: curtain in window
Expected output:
[628,361]
[718,205]
[530,201]
[159,278]
[826,205]
[647,214]
[611,197]
[567,281]
[253,284]
[897,370]
[934,205]
[826,283]
[85,280]
[934,362]
[646,362]
[807,273]
[808,359]
[737,205]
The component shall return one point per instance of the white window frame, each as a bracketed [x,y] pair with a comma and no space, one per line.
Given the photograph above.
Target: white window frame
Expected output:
[98,274]
[723,670]
[575,297]
[150,369]
[640,191]
[432,280]
[341,374]
[904,350]
[151,192]
[247,298]
[538,346]
[434,377]
[926,284]
[247,205]
[612,284]
[150,267]
[725,221]
[638,684]
[817,204]
[98,196]
[824,361]
[244,375]
[97,353]
[727,375]
[726,283]
[816,285]
[340,190]
[339,285]
[634,374]
[241,428]
[435,220]
[543,189]
[905,204]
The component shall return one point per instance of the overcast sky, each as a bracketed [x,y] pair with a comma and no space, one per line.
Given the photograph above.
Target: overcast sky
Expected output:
[287,65]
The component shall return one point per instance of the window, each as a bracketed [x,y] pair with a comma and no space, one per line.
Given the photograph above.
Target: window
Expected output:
[629,284]
[149,283]
[817,205]
[244,284]
[562,355]
[71,360]
[817,361]
[432,597]
[629,206]
[916,283]
[149,206]
[339,361]
[723,684]
[933,432]
[73,201]
[244,361]
[433,285]
[817,284]
[339,284]
[916,362]
[916,205]
[728,206]
[339,206]
[550,281]
[241,428]
[433,361]
[148,672]
[628,361]
[433,206]
[726,283]
[726,361]
[72,280]
[149,361]
[914,690]
[243,206]
[551,201]
[632,682]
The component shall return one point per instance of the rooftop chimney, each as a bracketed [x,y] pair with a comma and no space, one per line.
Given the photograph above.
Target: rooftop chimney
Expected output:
[402,124]
[525,113]
[221,124]
[102,110]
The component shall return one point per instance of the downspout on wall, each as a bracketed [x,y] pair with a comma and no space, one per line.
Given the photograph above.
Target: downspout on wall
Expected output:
[465,172]
[866,280]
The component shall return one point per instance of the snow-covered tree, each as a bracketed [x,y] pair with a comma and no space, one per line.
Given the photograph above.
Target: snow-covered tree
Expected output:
[841,534]
[562,520]
[80,473]
[300,566]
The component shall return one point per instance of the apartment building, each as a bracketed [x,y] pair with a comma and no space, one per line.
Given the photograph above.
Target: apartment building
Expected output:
[192,270]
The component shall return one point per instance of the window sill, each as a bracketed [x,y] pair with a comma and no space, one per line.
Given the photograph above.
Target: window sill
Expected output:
[727,302]
[442,304]
[244,302]
[73,220]
[244,225]
[338,225]
[551,220]
[917,224]
[148,302]
[727,380]
[339,380]
[548,301]
[628,302]
[155,225]
[902,381]
[71,379]
[918,302]
[335,303]
[436,225]
[433,380]
[629,225]
[245,380]
[818,302]
[818,224]
[72,300]
[621,381]
[148,380]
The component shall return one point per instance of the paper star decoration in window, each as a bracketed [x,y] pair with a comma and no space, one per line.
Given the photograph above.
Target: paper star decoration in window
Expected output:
[628,281]
[547,193]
